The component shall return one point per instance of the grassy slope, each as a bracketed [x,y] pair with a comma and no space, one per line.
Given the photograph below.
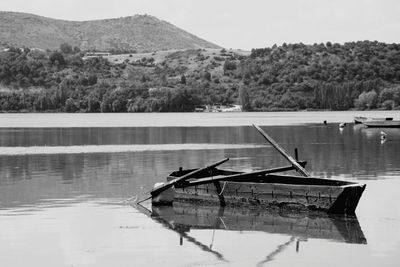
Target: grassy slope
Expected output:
[139,32]
[191,63]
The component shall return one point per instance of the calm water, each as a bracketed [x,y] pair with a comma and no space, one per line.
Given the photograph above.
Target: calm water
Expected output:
[65,191]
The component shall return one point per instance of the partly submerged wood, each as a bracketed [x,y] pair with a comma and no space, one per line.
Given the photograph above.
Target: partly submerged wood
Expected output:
[272,191]
[179,179]
[261,189]
[295,164]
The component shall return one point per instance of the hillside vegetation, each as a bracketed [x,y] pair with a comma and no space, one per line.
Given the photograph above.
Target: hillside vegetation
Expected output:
[323,76]
[137,33]
[362,75]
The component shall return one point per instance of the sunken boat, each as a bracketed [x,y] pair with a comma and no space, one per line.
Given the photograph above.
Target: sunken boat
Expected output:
[264,189]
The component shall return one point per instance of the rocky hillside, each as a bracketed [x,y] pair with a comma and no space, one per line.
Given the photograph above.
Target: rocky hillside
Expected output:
[138,33]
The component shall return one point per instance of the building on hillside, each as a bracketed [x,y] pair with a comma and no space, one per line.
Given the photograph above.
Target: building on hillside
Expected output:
[96,54]
[223,108]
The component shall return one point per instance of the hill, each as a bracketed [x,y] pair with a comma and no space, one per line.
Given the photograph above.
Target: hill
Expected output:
[136,33]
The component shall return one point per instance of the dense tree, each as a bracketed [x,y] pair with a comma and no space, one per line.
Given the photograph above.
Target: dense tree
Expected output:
[183,79]
[57,58]
[330,76]
[244,99]
[66,48]
[392,93]
[367,100]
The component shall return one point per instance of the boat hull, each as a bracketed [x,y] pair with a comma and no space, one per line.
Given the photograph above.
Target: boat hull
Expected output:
[275,192]
[358,120]
[382,124]
[331,199]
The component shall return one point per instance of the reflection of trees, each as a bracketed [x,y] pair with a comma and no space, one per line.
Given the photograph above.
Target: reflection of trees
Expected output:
[13,169]
[131,135]
[70,166]
[330,153]
[355,152]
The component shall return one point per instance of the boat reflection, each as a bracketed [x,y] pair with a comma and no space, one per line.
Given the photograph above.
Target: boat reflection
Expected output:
[182,217]
[299,226]
[374,133]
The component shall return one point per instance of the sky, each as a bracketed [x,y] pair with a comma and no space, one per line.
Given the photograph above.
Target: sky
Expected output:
[242,24]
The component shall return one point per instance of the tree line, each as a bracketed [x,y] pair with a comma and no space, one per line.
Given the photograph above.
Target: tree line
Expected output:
[356,75]
[361,75]
[33,80]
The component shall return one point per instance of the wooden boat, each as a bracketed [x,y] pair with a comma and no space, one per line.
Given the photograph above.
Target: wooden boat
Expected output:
[358,120]
[216,187]
[264,189]
[183,217]
[382,124]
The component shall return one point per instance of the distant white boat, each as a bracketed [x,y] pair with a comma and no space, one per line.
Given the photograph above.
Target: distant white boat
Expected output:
[233,108]
[365,119]
[382,124]
[221,108]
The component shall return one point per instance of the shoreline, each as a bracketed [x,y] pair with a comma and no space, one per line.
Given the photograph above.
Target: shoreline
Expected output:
[201,119]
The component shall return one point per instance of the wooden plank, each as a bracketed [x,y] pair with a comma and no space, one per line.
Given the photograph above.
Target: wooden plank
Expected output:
[320,197]
[295,164]
[159,189]
[239,176]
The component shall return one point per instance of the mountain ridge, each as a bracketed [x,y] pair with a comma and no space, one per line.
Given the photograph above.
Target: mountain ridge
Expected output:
[140,33]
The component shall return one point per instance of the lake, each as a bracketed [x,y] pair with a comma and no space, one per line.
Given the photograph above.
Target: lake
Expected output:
[68,181]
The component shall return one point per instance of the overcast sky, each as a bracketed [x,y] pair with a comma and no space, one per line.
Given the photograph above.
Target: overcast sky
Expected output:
[242,24]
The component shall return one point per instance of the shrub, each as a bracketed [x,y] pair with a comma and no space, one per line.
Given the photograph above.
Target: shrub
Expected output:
[207,76]
[70,105]
[390,94]
[229,65]
[388,105]
[66,48]
[57,58]
[366,100]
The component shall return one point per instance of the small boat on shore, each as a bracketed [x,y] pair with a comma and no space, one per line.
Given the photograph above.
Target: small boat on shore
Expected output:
[358,120]
[263,189]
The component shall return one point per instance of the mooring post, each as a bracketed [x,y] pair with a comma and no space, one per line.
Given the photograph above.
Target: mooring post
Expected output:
[296,154]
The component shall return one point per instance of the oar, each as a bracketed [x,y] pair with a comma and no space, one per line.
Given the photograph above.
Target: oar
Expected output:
[295,164]
[159,189]
[235,177]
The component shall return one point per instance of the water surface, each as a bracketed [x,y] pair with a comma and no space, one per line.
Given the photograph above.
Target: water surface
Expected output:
[65,195]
